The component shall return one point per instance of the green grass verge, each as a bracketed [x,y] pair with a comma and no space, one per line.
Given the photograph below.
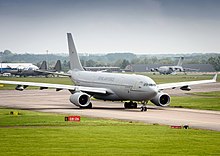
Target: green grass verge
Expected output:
[33,133]
[200,100]
[205,101]
[159,79]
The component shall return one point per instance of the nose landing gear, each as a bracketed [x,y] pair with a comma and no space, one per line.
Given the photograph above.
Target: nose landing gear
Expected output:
[144,107]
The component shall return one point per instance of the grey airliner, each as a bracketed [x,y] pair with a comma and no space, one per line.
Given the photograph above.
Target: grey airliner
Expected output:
[110,86]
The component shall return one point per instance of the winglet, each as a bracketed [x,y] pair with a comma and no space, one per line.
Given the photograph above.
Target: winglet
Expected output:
[215,77]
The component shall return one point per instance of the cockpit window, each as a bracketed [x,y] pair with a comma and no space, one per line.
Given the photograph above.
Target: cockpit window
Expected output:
[145,84]
[150,84]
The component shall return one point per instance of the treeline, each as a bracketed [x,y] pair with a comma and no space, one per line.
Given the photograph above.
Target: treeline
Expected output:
[113,59]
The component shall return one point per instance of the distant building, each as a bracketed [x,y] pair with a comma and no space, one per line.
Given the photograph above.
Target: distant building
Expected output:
[148,67]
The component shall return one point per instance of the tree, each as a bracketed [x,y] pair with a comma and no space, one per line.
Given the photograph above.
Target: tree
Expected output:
[215,61]
[124,64]
[90,63]
[7,52]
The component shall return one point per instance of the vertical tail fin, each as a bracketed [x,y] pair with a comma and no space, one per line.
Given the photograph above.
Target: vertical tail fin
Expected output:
[75,63]
[180,61]
[43,65]
[57,67]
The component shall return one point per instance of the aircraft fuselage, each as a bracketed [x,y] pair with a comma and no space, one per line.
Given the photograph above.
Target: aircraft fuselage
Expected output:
[121,86]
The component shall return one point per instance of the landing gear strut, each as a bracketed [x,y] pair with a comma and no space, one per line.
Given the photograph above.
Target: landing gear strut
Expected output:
[130,104]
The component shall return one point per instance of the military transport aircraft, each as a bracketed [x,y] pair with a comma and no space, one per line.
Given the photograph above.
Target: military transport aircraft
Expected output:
[110,86]
[173,69]
[28,69]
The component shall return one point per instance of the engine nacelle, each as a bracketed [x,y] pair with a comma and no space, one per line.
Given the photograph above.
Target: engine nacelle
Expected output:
[187,88]
[161,99]
[80,99]
[152,70]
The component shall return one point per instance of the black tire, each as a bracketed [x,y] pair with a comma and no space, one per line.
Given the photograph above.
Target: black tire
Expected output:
[126,105]
[135,105]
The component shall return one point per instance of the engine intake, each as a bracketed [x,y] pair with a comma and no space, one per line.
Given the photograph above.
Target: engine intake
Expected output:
[80,99]
[161,99]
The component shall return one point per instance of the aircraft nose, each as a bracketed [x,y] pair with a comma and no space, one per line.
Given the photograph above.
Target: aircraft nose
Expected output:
[154,91]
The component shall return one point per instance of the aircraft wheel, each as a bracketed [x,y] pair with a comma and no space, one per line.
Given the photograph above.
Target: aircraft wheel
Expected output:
[126,105]
[134,105]
[143,108]
[130,105]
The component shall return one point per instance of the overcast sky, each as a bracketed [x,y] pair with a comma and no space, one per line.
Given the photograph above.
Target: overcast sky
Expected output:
[103,26]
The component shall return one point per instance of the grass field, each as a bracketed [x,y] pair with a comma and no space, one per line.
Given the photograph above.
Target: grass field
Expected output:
[178,78]
[33,133]
[203,101]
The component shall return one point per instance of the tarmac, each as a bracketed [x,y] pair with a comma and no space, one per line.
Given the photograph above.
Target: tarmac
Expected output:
[58,102]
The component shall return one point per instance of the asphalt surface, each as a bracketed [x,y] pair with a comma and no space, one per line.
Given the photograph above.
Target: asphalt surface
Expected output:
[58,102]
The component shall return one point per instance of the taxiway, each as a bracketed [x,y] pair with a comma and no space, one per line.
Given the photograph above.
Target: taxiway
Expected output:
[58,102]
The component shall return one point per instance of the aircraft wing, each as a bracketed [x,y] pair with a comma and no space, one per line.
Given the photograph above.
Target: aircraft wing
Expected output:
[57,86]
[54,73]
[185,84]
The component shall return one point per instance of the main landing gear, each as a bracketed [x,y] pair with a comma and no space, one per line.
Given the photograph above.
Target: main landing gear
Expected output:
[130,104]
[134,105]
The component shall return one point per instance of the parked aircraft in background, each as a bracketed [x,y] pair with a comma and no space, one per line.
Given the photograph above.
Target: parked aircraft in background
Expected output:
[14,68]
[173,69]
[28,69]
[43,70]
[110,86]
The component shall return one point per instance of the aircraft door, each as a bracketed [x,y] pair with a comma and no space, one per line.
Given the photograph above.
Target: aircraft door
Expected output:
[138,85]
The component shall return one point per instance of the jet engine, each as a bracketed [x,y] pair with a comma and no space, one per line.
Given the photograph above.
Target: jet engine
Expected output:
[187,88]
[161,99]
[152,70]
[80,99]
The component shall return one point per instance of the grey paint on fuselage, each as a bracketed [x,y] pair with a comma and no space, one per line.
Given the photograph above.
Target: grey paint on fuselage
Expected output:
[169,69]
[121,86]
